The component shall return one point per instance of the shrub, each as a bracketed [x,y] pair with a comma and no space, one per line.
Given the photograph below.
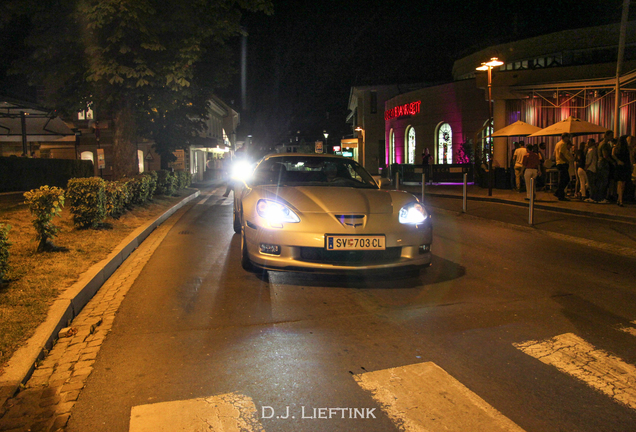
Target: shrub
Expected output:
[139,187]
[184,179]
[115,198]
[4,250]
[152,183]
[86,199]
[45,203]
[166,182]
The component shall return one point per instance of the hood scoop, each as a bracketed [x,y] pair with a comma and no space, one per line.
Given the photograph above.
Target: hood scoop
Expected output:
[352,220]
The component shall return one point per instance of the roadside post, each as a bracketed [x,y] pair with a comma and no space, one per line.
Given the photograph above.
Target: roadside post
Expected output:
[465,198]
[423,185]
[397,181]
[531,211]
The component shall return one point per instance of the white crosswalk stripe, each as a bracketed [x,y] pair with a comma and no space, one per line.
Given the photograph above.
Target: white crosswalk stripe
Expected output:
[231,412]
[423,397]
[597,368]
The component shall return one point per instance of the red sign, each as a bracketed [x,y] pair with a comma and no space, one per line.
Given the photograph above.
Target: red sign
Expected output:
[403,110]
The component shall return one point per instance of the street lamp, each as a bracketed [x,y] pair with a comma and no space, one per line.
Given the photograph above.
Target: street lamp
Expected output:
[494,62]
[362,147]
[326,135]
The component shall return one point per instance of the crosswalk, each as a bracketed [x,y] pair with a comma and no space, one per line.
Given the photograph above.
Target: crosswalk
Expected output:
[416,397]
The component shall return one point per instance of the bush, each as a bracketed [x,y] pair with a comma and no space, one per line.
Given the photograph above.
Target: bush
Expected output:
[45,203]
[184,179]
[166,182]
[115,198]
[87,201]
[139,187]
[152,183]
[4,250]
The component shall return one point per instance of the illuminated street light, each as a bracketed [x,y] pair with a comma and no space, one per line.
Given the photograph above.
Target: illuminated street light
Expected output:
[361,149]
[494,62]
[326,135]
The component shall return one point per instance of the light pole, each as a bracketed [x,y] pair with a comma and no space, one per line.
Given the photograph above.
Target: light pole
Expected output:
[494,62]
[326,135]
[361,149]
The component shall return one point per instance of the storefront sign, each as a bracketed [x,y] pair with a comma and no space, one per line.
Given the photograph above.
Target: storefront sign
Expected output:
[318,147]
[403,110]
[101,160]
[179,164]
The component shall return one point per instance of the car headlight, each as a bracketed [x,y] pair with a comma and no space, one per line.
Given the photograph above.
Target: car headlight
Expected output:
[241,170]
[413,213]
[276,213]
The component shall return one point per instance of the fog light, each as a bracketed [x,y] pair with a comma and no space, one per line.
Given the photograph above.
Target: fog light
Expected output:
[270,249]
[425,248]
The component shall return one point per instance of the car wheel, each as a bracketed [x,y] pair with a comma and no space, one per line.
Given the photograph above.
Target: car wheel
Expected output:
[236,220]
[245,259]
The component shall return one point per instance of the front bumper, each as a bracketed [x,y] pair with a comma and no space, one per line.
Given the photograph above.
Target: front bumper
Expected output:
[302,249]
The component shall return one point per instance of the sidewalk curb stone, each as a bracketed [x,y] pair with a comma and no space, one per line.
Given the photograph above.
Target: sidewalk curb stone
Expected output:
[69,304]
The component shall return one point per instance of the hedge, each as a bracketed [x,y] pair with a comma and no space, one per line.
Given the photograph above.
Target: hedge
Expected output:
[44,204]
[166,182]
[4,250]
[23,174]
[87,201]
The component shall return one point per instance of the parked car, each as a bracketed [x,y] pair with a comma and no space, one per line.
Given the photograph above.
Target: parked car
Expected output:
[326,213]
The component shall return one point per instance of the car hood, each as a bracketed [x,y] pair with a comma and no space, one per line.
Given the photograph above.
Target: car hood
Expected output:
[317,199]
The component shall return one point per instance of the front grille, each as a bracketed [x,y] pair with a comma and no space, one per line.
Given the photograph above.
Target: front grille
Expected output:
[323,256]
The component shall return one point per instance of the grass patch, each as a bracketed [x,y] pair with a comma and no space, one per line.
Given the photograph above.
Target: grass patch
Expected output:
[35,279]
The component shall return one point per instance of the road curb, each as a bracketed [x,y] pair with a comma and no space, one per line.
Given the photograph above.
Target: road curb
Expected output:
[69,304]
[537,207]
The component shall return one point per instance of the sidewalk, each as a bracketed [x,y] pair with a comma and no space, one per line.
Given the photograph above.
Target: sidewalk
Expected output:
[543,201]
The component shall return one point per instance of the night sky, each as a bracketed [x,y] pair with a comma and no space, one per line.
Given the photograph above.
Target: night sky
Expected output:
[304,59]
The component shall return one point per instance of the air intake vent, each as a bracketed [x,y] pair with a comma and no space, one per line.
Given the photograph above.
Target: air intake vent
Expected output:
[352,221]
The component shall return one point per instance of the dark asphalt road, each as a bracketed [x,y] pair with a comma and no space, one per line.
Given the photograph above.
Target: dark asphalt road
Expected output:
[196,325]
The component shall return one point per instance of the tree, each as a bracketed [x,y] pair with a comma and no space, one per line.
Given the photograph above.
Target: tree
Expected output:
[143,64]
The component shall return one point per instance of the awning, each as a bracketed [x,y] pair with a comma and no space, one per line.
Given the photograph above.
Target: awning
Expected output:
[38,128]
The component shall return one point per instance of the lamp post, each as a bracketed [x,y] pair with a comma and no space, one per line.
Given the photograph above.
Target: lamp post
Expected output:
[494,62]
[362,147]
[326,135]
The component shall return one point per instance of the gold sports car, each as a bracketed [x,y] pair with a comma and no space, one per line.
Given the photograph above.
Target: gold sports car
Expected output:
[326,214]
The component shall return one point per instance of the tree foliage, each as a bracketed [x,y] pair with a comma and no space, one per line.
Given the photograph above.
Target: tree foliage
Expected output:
[147,65]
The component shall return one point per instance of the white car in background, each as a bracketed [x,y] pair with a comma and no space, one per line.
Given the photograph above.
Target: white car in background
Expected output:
[326,214]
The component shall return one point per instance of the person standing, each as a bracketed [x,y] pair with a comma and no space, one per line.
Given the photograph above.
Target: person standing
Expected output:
[563,158]
[623,169]
[581,175]
[604,154]
[531,162]
[426,164]
[591,160]
[518,157]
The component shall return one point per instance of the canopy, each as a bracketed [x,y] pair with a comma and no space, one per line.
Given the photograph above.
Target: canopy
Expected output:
[37,129]
[517,128]
[572,126]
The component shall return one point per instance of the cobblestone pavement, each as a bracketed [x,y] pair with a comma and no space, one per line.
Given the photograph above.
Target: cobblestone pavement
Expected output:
[45,403]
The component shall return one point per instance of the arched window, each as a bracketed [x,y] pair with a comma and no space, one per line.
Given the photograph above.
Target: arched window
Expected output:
[444,144]
[87,155]
[391,147]
[410,145]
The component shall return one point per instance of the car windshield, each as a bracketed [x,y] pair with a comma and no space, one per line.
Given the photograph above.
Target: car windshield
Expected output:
[304,170]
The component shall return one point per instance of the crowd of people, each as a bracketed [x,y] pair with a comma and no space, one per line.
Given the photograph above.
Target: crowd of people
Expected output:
[594,172]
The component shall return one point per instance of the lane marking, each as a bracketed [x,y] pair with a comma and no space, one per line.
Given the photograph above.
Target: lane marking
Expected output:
[424,397]
[210,194]
[597,368]
[230,412]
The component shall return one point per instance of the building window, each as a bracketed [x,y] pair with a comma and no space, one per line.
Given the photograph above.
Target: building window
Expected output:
[444,144]
[410,145]
[391,147]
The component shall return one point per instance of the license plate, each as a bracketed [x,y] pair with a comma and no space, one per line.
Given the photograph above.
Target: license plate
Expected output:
[354,242]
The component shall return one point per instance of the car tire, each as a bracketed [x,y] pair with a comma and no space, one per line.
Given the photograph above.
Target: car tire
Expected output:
[236,221]
[245,259]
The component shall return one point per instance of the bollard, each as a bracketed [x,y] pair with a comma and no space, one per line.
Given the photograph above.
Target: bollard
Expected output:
[465,199]
[531,209]
[423,185]
[397,181]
